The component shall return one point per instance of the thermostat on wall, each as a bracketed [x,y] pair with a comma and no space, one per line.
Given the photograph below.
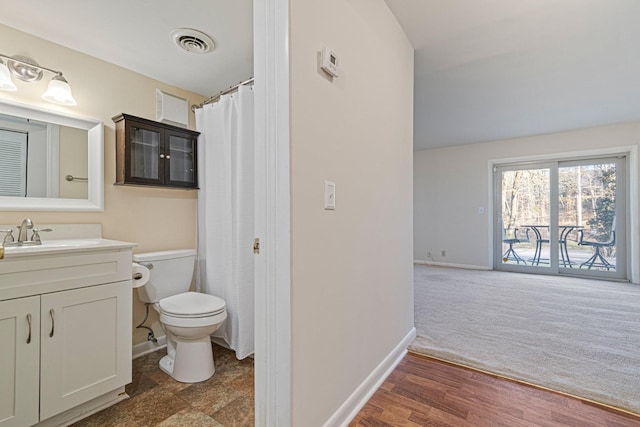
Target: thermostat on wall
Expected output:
[330,62]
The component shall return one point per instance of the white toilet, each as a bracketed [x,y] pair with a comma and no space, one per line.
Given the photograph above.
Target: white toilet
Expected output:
[188,318]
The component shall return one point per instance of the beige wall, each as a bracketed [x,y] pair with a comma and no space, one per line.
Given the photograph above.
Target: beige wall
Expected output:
[156,219]
[352,276]
[450,184]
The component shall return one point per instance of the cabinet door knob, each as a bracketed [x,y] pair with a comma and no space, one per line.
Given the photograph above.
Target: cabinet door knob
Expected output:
[29,323]
[52,323]
[162,156]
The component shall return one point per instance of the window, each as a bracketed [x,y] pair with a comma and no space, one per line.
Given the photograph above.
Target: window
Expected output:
[562,217]
[13,163]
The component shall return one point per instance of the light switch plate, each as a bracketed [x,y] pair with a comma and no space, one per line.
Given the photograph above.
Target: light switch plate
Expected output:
[329,195]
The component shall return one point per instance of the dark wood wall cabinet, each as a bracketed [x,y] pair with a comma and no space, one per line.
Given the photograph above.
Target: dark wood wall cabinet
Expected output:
[153,153]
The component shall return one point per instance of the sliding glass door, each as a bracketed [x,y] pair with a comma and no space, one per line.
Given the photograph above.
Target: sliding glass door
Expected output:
[525,207]
[561,217]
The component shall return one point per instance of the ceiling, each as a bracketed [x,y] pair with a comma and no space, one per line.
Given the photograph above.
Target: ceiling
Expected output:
[494,69]
[484,69]
[136,35]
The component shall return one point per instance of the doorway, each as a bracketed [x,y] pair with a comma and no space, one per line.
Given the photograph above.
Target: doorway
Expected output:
[562,217]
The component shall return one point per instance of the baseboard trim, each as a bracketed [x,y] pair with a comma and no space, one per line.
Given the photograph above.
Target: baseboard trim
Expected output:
[350,408]
[147,347]
[452,265]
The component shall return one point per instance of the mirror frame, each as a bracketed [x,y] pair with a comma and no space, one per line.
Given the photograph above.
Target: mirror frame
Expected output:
[95,142]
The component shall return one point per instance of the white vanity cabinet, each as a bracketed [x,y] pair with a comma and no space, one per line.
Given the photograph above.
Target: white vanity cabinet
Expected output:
[19,361]
[85,345]
[77,358]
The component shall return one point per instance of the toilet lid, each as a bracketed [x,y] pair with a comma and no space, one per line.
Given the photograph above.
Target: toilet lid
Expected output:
[192,304]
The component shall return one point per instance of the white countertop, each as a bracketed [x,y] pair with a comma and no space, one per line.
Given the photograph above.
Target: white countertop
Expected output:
[64,246]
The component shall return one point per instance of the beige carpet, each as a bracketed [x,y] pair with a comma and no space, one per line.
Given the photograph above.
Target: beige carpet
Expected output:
[576,336]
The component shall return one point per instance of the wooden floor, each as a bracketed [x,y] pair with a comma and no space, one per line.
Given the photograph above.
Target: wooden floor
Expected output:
[426,392]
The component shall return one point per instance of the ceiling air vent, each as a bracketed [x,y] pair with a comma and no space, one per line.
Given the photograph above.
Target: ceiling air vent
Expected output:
[193,41]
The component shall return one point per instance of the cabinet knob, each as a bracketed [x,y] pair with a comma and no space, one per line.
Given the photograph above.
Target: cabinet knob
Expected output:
[53,325]
[162,156]
[29,322]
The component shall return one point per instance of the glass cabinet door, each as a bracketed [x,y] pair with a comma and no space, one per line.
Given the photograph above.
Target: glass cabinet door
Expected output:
[182,160]
[145,154]
[155,154]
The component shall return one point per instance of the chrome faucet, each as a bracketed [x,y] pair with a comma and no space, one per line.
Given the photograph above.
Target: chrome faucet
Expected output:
[27,224]
[23,238]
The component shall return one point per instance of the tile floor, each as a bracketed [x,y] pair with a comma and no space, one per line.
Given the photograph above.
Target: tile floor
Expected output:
[225,400]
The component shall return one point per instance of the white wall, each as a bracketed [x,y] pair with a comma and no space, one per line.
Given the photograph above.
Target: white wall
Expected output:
[352,275]
[450,184]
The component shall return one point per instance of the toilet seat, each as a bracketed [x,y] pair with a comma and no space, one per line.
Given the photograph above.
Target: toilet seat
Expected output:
[191,310]
[191,305]
[192,322]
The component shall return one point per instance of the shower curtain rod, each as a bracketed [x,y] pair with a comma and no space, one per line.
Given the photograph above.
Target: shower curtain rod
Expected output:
[216,97]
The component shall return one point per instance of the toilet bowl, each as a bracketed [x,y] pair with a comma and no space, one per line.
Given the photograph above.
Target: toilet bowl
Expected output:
[187,318]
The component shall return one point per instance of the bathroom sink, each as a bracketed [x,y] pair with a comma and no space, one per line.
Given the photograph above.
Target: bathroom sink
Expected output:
[62,246]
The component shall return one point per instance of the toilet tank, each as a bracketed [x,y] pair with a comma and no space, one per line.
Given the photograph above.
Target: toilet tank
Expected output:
[171,273]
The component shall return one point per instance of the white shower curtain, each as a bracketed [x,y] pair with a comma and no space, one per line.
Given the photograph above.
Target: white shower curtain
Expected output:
[226,213]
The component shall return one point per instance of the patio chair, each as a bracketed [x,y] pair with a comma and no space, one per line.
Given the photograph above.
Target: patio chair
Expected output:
[597,259]
[512,239]
[565,232]
[542,237]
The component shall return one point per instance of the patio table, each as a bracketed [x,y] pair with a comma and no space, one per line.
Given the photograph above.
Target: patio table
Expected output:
[565,230]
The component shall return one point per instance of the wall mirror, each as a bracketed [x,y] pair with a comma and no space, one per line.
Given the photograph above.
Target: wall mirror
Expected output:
[49,161]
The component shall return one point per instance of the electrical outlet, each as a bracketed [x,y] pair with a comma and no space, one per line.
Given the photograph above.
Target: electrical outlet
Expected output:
[444,253]
[428,254]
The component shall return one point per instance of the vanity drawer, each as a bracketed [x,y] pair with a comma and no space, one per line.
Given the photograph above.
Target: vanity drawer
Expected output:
[26,276]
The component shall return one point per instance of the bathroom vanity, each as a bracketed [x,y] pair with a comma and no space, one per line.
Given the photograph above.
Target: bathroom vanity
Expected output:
[65,327]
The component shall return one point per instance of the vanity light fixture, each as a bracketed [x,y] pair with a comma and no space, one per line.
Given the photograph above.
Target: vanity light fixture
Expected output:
[28,70]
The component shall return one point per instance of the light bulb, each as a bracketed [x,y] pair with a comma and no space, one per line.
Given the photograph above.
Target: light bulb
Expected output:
[5,79]
[59,92]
